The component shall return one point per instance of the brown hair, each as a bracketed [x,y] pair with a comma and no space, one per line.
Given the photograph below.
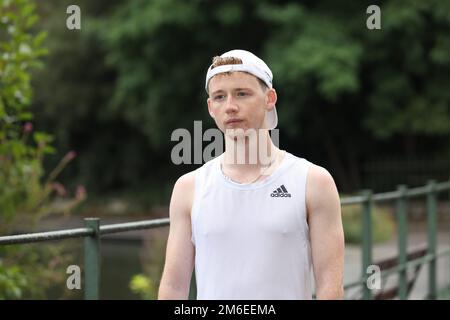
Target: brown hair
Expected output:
[221,61]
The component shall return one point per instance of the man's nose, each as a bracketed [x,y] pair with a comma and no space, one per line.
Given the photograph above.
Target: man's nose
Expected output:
[231,106]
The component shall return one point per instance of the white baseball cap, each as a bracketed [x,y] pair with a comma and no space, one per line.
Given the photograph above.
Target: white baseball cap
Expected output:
[250,64]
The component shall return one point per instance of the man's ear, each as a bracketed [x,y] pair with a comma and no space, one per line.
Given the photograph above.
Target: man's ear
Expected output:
[211,113]
[271,98]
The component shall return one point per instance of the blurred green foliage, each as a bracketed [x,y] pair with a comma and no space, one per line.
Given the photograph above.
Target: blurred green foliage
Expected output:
[116,89]
[144,287]
[12,282]
[146,284]
[20,168]
[27,194]
[383,225]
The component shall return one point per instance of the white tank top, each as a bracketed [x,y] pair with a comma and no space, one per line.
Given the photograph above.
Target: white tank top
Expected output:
[252,240]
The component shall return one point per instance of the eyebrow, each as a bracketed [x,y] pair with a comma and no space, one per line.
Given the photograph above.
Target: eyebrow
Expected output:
[235,89]
[217,91]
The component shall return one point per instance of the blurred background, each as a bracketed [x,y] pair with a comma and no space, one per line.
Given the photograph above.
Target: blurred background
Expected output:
[86,116]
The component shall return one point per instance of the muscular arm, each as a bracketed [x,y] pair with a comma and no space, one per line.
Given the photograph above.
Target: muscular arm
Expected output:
[326,232]
[180,252]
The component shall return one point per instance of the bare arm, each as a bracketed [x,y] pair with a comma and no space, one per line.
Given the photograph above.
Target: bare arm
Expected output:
[326,232]
[180,252]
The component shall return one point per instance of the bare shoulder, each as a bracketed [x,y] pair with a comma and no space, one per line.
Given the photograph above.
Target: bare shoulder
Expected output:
[183,193]
[186,181]
[319,177]
[321,189]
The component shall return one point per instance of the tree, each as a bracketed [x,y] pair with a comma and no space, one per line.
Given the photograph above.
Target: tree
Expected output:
[26,193]
[347,90]
[346,93]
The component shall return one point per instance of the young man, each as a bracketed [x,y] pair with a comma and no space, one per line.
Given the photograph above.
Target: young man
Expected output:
[255,228]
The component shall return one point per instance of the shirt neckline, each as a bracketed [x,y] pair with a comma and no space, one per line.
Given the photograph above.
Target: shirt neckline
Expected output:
[259,184]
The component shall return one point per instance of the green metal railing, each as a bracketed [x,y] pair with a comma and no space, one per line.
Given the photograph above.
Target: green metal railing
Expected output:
[401,196]
[93,231]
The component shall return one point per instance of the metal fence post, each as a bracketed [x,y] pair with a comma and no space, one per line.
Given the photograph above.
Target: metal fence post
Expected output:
[366,241]
[92,260]
[401,210]
[432,235]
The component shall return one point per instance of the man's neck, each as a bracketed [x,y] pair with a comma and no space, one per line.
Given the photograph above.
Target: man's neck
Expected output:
[249,153]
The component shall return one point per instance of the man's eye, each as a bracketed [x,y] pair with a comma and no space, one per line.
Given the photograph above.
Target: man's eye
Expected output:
[219,97]
[241,94]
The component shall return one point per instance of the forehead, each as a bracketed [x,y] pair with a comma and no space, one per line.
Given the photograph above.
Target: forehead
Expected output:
[231,80]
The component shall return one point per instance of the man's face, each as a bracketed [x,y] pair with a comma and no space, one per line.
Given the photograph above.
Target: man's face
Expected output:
[237,100]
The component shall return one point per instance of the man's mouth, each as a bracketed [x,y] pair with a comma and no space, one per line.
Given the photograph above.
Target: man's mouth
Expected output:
[233,121]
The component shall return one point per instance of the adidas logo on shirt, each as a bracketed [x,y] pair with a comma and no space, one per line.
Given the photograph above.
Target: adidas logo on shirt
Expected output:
[281,192]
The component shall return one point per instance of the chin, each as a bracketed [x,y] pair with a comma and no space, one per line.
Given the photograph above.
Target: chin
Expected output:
[236,133]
